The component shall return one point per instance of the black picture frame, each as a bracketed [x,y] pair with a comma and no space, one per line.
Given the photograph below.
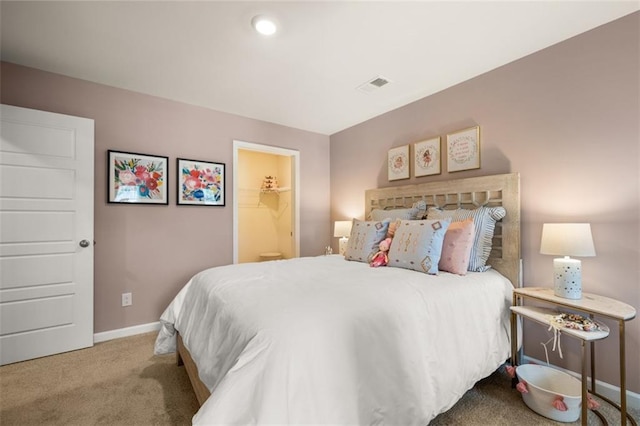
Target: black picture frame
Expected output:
[200,183]
[134,178]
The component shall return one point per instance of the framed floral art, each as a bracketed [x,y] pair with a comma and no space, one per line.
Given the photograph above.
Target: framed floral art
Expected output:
[463,150]
[136,178]
[200,183]
[426,157]
[398,163]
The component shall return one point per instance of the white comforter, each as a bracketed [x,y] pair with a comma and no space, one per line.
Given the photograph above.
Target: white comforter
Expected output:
[326,341]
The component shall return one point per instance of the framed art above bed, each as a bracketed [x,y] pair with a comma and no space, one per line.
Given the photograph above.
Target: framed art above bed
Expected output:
[426,157]
[398,163]
[463,150]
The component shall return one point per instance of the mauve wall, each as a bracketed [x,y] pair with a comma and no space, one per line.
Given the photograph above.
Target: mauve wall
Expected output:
[565,118]
[153,250]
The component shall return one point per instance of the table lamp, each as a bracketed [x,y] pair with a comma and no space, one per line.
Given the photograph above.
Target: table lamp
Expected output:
[342,229]
[567,239]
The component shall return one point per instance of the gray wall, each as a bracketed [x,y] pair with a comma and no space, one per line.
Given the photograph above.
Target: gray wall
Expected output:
[153,250]
[565,118]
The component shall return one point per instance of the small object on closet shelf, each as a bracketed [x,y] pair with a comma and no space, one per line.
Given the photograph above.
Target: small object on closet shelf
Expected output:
[269,184]
[272,255]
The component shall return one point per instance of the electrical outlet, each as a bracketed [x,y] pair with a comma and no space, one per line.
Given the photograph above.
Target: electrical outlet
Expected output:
[127,299]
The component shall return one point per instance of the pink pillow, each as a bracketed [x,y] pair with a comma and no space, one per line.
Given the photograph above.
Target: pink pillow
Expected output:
[456,248]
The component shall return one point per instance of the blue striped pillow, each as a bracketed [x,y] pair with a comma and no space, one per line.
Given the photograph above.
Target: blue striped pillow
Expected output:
[484,220]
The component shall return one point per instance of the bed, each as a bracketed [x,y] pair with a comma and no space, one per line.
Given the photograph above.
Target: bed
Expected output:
[324,340]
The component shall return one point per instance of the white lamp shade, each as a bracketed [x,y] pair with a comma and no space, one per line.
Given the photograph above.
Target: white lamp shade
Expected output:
[342,228]
[567,239]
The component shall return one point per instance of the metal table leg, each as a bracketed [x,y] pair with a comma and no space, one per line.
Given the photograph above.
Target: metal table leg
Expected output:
[583,413]
[514,340]
[623,375]
[622,407]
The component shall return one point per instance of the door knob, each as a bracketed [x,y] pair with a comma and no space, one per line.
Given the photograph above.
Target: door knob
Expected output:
[84,243]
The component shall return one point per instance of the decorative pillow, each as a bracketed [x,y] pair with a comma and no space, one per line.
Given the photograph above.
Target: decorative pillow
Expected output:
[417,245]
[365,238]
[392,228]
[484,220]
[456,248]
[417,211]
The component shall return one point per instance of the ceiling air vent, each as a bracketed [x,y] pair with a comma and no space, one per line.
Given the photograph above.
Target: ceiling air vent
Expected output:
[374,84]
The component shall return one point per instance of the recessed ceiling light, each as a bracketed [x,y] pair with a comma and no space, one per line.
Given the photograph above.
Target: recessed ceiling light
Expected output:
[264,25]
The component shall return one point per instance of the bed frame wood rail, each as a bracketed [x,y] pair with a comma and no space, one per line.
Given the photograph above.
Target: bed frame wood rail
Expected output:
[184,357]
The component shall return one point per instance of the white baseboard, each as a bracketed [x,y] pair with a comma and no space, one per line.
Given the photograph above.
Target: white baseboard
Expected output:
[605,389]
[126,332]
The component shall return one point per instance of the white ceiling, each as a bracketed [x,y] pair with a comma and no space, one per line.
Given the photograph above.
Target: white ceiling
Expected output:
[206,53]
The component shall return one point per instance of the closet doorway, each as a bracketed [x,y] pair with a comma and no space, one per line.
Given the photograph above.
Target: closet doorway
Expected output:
[266,208]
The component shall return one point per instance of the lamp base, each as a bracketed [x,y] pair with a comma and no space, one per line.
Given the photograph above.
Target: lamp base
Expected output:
[342,247]
[567,278]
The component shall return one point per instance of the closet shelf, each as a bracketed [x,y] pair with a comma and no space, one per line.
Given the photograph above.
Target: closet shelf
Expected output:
[282,189]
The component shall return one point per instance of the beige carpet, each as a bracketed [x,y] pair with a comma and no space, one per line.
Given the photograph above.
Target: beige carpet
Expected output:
[121,382]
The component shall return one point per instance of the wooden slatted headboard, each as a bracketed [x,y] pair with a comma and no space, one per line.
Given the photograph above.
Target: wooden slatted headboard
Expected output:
[496,190]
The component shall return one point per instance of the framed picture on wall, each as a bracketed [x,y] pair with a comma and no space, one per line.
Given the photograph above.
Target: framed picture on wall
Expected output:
[463,150]
[136,178]
[426,157]
[200,183]
[398,163]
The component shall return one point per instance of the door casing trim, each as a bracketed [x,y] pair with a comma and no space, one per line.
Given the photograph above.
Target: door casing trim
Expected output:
[268,149]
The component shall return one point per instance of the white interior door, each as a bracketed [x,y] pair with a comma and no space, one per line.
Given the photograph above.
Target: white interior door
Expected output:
[46,233]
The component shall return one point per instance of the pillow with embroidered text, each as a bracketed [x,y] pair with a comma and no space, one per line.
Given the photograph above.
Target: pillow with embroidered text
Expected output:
[365,238]
[417,245]
[484,220]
